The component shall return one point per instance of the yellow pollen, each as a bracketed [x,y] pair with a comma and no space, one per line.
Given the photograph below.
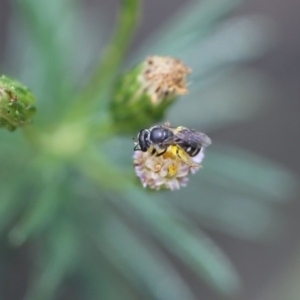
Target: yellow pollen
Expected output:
[172,169]
[169,153]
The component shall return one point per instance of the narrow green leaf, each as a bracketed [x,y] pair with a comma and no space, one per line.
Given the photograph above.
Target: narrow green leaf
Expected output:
[240,215]
[60,255]
[10,203]
[235,168]
[237,41]
[104,282]
[100,85]
[182,238]
[139,261]
[37,216]
[45,58]
[196,22]
[239,96]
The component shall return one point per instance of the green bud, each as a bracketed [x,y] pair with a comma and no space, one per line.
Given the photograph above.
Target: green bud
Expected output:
[17,104]
[145,92]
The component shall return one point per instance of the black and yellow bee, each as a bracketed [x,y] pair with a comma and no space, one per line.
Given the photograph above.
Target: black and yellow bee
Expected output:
[184,143]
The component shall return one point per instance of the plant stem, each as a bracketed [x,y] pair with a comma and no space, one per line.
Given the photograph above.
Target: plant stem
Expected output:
[102,80]
[104,172]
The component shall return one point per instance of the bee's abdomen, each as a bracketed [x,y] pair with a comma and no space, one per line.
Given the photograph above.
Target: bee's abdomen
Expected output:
[191,151]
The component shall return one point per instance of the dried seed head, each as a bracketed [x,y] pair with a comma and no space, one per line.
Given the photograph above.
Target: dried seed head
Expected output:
[164,77]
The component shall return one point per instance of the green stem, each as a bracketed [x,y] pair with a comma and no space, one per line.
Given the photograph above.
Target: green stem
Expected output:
[101,82]
[104,172]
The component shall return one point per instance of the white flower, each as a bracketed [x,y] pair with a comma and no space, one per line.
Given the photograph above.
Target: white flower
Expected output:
[165,171]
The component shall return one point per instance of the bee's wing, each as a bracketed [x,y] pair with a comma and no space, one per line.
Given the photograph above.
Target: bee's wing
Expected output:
[172,139]
[192,137]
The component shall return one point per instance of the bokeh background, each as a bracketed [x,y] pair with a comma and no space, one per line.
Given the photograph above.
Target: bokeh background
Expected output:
[270,269]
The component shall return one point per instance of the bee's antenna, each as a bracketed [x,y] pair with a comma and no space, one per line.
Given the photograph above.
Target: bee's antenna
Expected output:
[136,147]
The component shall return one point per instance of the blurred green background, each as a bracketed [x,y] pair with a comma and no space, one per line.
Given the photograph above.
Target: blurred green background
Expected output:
[70,231]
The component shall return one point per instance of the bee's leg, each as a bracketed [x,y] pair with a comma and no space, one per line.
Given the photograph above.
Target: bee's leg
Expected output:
[182,156]
[153,151]
[161,153]
[178,154]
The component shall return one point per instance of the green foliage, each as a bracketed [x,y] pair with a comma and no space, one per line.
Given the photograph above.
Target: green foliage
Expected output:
[67,183]
[17,104]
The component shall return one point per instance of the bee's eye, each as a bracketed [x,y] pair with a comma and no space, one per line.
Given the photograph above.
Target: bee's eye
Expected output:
[157,135]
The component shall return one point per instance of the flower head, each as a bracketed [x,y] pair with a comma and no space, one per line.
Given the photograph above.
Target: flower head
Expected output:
[164,77]
[145,92]
[17,104]
[165,171]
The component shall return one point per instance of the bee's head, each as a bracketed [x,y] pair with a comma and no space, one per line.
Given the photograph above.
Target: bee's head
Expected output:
[143,139]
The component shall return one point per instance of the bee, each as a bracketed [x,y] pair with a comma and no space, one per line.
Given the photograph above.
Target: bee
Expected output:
[183,142]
